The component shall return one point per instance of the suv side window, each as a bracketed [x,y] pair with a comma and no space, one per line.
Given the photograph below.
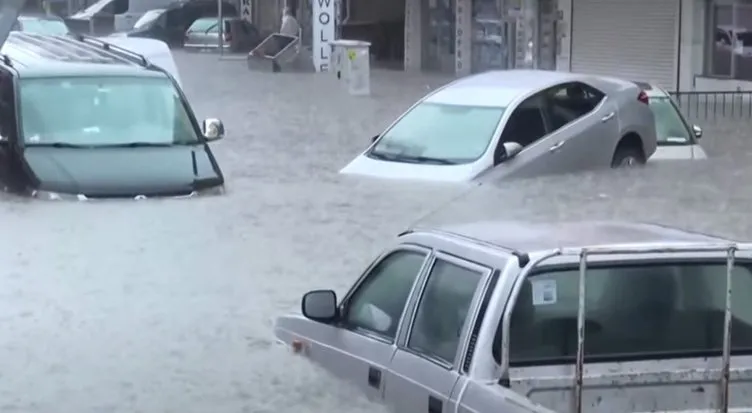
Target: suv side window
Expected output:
[571,101]
[378,302]
[442,311]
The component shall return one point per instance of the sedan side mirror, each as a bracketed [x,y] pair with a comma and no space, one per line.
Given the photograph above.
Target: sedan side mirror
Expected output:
[320,305]
[373,139]
[213,129]
[697,131]
[512,149]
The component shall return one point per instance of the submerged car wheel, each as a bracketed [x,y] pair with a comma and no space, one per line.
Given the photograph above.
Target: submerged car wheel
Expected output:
[627,157]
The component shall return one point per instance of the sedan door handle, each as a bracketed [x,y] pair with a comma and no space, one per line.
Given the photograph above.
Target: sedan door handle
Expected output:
[374,377]
[555,147]
[608,117]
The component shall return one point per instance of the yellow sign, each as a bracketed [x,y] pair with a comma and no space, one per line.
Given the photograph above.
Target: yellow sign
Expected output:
[351,55]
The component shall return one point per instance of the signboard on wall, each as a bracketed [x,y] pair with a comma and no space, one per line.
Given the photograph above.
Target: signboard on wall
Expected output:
[323,32]
[246,9]
[462,46]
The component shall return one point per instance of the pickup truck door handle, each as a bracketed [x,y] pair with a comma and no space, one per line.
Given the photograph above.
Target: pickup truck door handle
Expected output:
[374,377]
[434,405]
[608,117]
[555,147]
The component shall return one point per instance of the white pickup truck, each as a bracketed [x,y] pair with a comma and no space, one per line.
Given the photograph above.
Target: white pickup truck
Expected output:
[559,317]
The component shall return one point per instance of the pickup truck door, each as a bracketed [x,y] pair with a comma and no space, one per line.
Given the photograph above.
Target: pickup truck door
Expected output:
[9,11]
[360,346]
[427,364]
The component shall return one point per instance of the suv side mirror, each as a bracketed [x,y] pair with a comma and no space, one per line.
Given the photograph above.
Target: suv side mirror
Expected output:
[213,129]
[697,131]
[320,305]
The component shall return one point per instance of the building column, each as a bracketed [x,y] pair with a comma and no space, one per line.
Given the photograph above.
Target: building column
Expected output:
[413,36]
[463,13]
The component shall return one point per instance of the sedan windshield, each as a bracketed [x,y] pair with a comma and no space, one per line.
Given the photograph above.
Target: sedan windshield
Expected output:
[104,111]
[670,127]
[439,134]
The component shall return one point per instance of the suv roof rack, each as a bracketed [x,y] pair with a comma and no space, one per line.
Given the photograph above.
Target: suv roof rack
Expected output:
[116,50]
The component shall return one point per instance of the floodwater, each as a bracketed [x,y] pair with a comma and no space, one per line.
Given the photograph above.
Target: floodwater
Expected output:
[167,305]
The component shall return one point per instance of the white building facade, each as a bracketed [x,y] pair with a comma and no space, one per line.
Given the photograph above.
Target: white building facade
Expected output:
[683,45]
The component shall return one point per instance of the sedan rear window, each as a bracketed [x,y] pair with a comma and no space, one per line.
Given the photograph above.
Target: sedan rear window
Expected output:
[45,26]
[440,133]
[203,25]
[632,313]
[670,127]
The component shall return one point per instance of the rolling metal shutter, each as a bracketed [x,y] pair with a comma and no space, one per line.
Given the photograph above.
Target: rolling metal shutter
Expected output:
[630,39]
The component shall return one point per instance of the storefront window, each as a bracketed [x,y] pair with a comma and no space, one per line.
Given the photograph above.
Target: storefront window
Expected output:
[489,40]
[438,32]
[730,39]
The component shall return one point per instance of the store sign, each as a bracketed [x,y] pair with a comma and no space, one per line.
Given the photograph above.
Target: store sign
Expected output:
[246,9]
[462,47]
[323,33]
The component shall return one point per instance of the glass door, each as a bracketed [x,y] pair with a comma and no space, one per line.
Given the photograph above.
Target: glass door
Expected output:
[438,35]
[490,36]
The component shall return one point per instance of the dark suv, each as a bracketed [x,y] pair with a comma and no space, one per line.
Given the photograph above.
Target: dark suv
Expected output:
[82,118]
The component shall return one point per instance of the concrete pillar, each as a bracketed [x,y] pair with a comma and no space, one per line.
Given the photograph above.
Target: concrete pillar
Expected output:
[413,36]
[529,32]
[463,12]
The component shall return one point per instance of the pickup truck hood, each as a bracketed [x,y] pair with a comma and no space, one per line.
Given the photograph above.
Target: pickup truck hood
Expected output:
[122,172]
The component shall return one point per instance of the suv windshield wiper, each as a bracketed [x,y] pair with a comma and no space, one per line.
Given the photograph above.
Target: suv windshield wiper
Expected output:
[57,145]
[396,157]
[142,145]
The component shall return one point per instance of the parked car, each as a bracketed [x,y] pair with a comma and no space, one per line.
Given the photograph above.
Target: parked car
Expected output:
[238,34]
[170,24]
[42,24]
[98,143]
[484,317]
[103,17]
[676,138]
[514,123]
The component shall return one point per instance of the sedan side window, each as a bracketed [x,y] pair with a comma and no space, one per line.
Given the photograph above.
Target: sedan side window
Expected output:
[442,311]
[525,125]
[571,101]
[377,304]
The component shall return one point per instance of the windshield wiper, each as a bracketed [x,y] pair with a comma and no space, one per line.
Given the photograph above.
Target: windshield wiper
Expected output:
[57,145]
[142,145]
[398,157]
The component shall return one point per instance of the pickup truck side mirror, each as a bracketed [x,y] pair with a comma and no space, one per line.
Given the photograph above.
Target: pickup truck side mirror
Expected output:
[320,305]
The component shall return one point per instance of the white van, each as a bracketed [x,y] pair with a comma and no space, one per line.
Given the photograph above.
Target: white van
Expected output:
[125,12]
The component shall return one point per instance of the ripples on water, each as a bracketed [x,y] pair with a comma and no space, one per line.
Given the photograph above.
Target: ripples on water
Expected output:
[167,305]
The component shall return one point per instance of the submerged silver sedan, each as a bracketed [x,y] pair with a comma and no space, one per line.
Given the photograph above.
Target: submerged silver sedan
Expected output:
[515,123]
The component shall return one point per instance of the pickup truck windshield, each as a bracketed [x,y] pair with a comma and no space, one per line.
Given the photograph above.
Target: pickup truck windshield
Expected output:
[632,313]
[103,111]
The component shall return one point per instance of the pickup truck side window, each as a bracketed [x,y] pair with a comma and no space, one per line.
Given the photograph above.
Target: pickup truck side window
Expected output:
[377,304]
[442,311]
[645,312]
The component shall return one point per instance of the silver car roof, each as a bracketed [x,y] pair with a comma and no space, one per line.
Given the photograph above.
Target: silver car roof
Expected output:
[500,88]
[533,237]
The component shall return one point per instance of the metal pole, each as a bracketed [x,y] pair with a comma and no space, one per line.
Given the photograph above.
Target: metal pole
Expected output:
[580,363]
[221,28]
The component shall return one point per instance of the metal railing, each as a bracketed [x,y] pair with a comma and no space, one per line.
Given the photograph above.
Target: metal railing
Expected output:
[730,250]
[710,105]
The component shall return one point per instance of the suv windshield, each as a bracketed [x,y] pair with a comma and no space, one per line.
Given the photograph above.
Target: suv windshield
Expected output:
[101,111]
[670,127]
[439,133]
